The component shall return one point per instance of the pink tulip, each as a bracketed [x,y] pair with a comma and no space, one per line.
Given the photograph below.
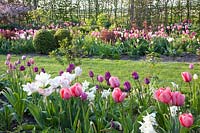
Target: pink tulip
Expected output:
[163,95]
[186,120]
[178,99]
[76,90]
[114,82]
[187,77]
[191,66]
[65,93]
[118,96]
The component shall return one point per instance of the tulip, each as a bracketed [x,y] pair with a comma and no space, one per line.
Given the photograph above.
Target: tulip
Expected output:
[178,99]
[22,68]
[100,78]
[107,76]
[163,95]
[186,120]
[65,93]
[187,77]
[114,82]
[28,64]
[42,70]
[35,69]
[118,96]
[61,72]
[76,90]
[84,96]
[72,66]
[146,81]
[31,60]
[78,71]
[69,70]
[23,57]
[191,66]
[127,86]
[8,57]
[91,74]
[195,76]
[135,75]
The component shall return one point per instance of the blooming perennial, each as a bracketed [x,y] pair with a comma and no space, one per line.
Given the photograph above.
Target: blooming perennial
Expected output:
[149,122]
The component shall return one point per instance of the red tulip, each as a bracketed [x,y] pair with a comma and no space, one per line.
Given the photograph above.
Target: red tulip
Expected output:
[118,96]
[178,99]
[65,93]
[186,120]
[114,82]
[187,77]
[76,90]
[163,95]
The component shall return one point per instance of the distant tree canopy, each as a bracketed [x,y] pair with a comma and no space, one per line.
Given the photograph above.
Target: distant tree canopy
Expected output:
[154,12]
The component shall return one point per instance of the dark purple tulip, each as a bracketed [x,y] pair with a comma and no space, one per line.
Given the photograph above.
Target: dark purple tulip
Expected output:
[107,76]
[146,81]
[83,96]
[127,86]
[28,64]
[135,75]
[100,78]
[22,68]
[14,67]
[97,86]
[91,74]
[61,72]
[71,66]
[35,69]
[42,70]
[69,70]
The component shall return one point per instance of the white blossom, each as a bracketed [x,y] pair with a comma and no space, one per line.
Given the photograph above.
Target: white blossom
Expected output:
[195,76]
[170,39]
[90,95]
[42,79]
[46,92]
[78,71]
[173,110]
[30,88]
[106,93]
[85,85]
[149,122]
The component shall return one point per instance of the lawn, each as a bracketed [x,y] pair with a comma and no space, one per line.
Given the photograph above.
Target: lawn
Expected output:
[165,72]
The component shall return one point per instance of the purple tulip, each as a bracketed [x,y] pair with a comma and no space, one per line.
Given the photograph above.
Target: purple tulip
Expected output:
[28,64]
[35,69]
[7,62]
[69,70]
[91,74]
[135,75]
[22,68]
[107,76]
[97,86]
[42,70]
[127,86]
[100,78]
[71,66]
[61,72]
[18,61]
[146,81]
[84,96]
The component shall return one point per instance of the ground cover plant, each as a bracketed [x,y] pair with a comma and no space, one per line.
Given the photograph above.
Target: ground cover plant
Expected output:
[52,97]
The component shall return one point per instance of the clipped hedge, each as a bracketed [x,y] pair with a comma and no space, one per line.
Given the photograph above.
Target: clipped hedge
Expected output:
[44,42]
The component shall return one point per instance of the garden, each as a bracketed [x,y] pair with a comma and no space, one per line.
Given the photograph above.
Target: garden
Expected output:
[91,66]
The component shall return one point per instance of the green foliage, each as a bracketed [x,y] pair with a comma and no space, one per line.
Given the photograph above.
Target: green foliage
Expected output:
[20,46]
[44,42]
[103,20]
[159,45]
[62,34]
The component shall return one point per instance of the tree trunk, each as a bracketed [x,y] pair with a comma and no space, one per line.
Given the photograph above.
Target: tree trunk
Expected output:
[132,6]
[188,9]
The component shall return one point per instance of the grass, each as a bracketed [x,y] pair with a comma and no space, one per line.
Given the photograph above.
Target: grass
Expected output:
[166,72]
